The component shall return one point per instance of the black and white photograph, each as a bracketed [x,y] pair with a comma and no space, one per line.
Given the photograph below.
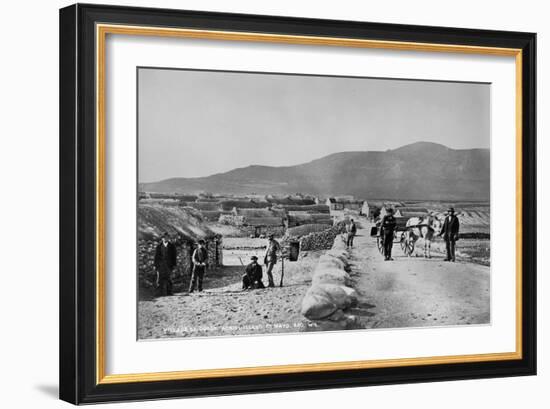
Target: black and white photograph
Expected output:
[287,203]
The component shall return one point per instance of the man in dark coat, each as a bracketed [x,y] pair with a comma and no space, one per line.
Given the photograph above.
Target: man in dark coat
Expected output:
[199,258]
[387,228]
[449,231]
[351,230]
[165,261]
[253,273]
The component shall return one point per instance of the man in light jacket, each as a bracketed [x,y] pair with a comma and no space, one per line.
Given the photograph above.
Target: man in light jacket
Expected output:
[199,258]
[270,258]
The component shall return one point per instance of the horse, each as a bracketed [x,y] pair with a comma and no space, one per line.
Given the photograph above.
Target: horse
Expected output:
[422,228]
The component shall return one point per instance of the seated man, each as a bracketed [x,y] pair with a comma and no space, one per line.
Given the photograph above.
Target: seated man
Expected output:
[253,275]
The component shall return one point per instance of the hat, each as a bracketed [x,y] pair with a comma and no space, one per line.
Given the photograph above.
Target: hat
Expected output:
[451,210]
[201,241]
[390,210]
[253,258]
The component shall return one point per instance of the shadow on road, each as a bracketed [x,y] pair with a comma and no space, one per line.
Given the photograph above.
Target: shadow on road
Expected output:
[362,310]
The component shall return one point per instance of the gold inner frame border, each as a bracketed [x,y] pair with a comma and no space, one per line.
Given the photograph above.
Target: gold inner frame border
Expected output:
[102,30]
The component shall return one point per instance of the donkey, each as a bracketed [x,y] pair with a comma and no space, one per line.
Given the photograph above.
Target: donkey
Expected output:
[425,228]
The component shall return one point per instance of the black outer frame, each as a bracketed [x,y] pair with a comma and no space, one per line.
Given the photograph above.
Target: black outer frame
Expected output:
[77,204]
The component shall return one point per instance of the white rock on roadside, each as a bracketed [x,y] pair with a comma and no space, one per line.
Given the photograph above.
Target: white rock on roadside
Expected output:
[326,260]
[330,276]
[317,305]
[343,297]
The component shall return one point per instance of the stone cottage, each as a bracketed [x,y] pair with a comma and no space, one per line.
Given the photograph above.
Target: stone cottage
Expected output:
[185,226]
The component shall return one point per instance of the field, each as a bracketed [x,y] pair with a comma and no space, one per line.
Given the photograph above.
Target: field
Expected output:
[223,308]
[473,250]
[238,250]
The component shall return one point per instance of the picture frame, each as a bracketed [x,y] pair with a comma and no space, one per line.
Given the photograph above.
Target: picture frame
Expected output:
[83,181]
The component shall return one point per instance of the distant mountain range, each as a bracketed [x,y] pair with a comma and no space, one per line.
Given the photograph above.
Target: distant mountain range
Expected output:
[419,171]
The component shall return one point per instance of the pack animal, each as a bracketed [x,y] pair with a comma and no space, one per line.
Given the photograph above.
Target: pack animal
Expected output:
[425,228]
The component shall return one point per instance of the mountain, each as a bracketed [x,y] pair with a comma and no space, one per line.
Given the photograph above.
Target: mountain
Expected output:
[422,170]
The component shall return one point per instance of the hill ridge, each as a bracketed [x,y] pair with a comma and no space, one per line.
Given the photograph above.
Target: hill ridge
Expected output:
[420,170]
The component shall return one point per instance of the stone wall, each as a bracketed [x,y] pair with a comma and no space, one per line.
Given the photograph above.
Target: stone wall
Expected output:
[231,219]
[319,240]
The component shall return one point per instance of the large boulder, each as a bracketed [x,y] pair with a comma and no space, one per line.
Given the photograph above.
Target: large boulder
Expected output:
[340,255]
[341,296]
[323,275]
[317,305]
[329,261]
[339,243]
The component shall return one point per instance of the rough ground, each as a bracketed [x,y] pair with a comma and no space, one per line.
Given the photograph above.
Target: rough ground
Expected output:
[406,292]
[414,291]
[222,309]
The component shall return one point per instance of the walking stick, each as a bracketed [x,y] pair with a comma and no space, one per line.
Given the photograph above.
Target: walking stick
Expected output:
[282,270]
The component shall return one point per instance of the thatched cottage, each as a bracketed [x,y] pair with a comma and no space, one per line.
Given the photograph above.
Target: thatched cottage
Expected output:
[257,222]
[344,203]
[371,208]
[185,227]
[297,200]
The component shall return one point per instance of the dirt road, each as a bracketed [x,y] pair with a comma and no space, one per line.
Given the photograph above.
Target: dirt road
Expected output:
[414,291]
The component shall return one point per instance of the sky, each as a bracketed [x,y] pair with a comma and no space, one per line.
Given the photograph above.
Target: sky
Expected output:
[198,123]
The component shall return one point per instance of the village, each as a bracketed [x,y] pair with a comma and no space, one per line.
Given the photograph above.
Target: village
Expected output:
[235,228]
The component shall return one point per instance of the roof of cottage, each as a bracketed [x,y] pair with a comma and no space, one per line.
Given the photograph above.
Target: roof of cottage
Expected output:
[186,222]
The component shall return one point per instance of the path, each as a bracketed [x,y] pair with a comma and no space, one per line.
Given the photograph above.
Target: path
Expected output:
[414,291]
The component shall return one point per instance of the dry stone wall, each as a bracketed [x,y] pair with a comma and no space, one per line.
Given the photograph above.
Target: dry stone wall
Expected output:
[316,240]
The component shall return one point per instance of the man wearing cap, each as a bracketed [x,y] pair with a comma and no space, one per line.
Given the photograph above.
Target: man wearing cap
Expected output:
[270,258]
[449,231]
[165,261]
[199,258]
[387,228]
[252,277]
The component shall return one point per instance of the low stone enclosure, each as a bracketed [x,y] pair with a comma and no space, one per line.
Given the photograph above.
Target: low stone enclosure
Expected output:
[328,300]
[314,236]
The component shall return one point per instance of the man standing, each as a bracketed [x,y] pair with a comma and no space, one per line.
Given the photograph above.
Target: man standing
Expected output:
[252,277]
[449,231]
[270,258]
[351,230]
[387,228]
[199,258]
[165,261]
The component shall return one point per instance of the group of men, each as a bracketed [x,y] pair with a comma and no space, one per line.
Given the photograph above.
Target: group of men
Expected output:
[449,232]
[253,272]
[166,260]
